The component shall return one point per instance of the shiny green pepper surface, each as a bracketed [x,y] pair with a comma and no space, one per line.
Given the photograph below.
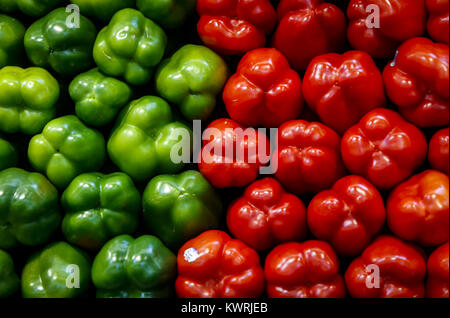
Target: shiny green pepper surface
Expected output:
[58,271]
[8,154]
[168,13]
[146,137]
[28,99]
[11,41]
[99,207]
[179,207]
[62,42]
[191,79]
[102,9]
[34,8]
[9,281]
[65,149]
[98,98]
[29,208]
[130,46]
[134,268]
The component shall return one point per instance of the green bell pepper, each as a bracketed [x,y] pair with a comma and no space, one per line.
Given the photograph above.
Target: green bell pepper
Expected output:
[99,207]
[130,46]
[11,41]
[192,78]
[65,149]
[28,99]
[56,41]
[98,98]
[9,281]
[8,154]
[102,9]
[134,268]
[8,6]
[179,207]
[34,8]
[145,138]
[29,208]
[58,271]
[168,13]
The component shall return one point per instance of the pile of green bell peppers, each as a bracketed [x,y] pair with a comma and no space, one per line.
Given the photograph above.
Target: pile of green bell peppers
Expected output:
[90,196]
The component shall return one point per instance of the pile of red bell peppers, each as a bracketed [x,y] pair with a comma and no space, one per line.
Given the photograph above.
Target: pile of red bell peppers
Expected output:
[363,143]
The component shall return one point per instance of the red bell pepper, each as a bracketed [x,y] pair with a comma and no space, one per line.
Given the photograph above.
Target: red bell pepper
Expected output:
[438,151]
[438,27]
[348,215]
[213,265]
[388,268]
[417,81]
[343,88]
[438,269]
[304,270]
[308,28]
[235,26]
[266,215]
[307,157]
[240,167]
[384,148]
[379,33]
[265,91]
[418,209]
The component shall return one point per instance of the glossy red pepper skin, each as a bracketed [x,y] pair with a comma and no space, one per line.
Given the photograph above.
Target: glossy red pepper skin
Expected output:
[307,157]
[235,26]
[343,88]
[438,269]
[438,151]
[399,21]
[224,170]
[438,24]
[267,215]
[348,215]
[384,148]
[308,28]
[402,270]
[304,270]
[417,81]
[213,265]
[418,209]
[265,91]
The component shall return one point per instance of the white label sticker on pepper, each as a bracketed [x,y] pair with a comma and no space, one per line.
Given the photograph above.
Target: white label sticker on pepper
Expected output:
[191,255]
